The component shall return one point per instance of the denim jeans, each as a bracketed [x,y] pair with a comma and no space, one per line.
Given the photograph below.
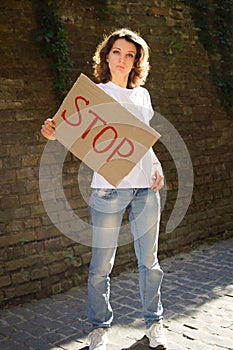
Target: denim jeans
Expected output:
[107,207]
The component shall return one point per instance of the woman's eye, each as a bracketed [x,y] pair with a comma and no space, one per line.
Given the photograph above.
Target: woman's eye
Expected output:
[115,51]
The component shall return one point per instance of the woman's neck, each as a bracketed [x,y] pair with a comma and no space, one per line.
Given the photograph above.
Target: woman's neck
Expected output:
[120,81]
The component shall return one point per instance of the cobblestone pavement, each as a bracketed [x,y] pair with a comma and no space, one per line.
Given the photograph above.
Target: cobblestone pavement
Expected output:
[197,297]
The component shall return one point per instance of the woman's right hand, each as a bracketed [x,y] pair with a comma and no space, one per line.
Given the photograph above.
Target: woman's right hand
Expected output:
[48,129]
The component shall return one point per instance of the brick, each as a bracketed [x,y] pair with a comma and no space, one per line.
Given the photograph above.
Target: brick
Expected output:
[32,222]
[37,209]
[38,273]
[15,252]
[5,281]
[20,277]
[57,288]
[86,258]
[29,198]
[15,225]
[12,163]
[25,173]
[160,11]
[18,238]
[23,289]
[31,185]
[7,175]
[22,263]
[34,248]
[18,187]
[57,268]
[49,258]
[30,160]
[22,212]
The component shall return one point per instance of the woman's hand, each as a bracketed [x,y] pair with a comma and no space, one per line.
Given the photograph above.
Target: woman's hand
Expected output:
[158,181]
[48,129]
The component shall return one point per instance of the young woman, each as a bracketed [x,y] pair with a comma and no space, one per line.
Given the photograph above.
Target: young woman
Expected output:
[121,66]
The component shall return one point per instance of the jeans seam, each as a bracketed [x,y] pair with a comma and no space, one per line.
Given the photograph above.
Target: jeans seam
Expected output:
[140,256]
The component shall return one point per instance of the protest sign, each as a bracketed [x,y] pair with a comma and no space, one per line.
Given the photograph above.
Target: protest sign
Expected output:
[101,132]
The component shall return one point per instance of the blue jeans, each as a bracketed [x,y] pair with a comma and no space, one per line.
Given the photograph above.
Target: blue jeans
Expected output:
[107,207]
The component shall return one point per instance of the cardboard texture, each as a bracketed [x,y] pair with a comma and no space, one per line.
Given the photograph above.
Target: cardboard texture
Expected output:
[101,132]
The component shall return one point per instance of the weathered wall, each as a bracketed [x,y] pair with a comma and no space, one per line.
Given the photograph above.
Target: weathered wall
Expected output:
[36,259]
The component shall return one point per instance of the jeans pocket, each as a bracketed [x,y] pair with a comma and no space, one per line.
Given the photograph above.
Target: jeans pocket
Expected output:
[105,193]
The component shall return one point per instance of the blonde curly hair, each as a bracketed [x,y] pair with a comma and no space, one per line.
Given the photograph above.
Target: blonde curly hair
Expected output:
[141,65]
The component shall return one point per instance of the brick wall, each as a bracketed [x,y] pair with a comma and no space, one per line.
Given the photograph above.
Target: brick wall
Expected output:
[37,260]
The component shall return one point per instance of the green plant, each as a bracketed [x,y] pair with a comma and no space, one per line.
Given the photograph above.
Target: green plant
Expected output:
[70,258]
[174,44]
[53,37]
[23,240]
[2,299]
[76,278]
[73,260]
[214,19]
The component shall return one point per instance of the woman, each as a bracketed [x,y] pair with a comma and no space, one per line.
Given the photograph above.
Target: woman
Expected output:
[121,65]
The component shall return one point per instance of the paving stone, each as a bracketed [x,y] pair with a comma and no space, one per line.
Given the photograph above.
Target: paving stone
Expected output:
[197,297]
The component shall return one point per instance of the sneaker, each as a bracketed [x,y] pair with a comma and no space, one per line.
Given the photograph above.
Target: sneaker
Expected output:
[157,336]
[98,339]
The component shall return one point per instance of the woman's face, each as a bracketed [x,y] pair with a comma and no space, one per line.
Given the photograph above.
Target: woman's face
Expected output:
[121,59]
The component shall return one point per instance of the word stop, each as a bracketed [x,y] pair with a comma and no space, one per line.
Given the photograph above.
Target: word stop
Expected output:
[122,147]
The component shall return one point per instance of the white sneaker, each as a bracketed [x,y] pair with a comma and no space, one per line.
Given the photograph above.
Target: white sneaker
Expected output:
[98,339]
[157,336]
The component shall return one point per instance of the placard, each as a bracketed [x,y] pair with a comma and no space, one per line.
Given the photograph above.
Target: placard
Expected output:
[101,132]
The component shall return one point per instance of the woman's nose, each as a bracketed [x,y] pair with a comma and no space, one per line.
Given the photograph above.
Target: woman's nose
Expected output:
[122,58]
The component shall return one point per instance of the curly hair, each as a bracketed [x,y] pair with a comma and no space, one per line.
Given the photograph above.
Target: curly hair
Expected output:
[141,65]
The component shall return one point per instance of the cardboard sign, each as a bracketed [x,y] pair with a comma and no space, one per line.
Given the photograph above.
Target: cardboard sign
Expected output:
[101,132]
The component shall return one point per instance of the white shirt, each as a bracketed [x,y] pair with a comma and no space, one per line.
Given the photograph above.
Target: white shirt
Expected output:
[138,102]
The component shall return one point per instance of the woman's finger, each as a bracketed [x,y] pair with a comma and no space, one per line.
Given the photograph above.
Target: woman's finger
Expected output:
[157,182]
[48,129]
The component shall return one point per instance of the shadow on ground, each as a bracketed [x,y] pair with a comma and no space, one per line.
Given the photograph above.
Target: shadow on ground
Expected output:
[141,344]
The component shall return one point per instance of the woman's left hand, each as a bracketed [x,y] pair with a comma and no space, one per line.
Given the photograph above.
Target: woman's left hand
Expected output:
[158,181]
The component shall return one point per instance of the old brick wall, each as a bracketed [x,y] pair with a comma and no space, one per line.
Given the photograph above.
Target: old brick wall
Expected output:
[37,260]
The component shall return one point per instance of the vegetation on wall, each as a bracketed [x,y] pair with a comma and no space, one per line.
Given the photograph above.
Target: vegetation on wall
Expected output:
[53,37]
[214,18]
